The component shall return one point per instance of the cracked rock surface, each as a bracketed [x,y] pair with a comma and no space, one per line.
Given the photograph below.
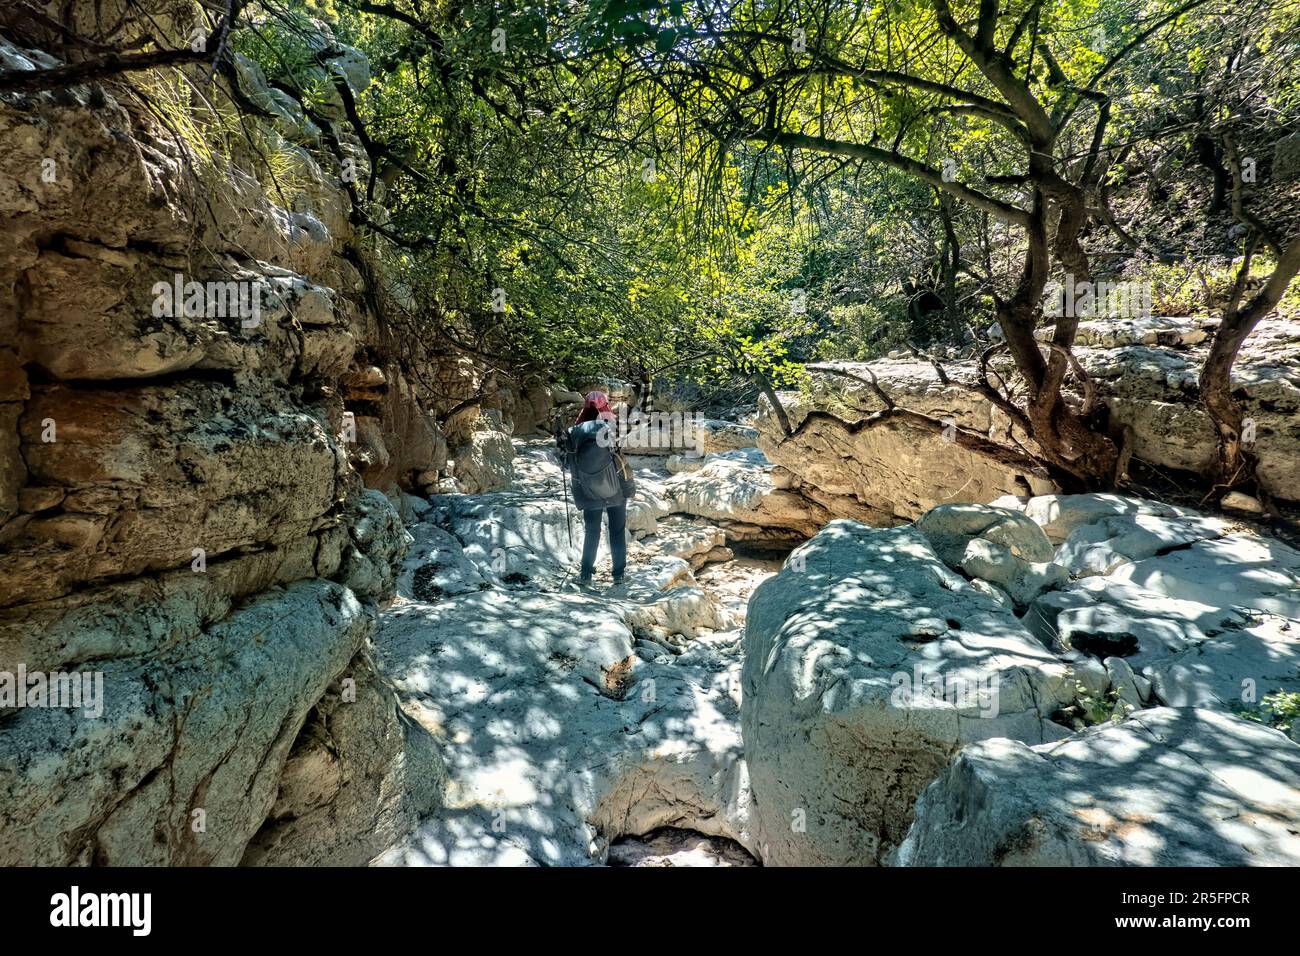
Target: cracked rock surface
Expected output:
[567,718]
[868,665]
[1167,787]
[1180,626]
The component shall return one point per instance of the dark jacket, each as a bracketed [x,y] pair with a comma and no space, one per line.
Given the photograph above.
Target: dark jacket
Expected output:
[588,452]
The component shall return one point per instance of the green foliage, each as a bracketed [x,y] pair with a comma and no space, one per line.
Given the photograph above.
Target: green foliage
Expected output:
[1106,708]
[1193,287]
[861,332]
[598,163]
[1279,710]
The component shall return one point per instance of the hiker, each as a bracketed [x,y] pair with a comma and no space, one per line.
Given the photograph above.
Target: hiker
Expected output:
[602,482]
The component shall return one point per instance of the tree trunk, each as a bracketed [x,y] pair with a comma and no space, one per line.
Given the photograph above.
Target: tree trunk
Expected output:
[951,258]
[1233,467]
[1209,155]
[1081,456]
[774,400]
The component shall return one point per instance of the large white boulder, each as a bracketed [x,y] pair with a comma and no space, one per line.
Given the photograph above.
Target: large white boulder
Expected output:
[694,541]
[1059,515]
[950,527]
[996,545]
[868,664]
[1104,546]
[736,489]
[1168,787]
[1209,615]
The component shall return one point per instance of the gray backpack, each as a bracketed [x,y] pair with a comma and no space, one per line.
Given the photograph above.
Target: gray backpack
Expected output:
[597,471]
[601,478]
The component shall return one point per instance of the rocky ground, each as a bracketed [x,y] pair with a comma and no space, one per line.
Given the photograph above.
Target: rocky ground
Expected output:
[1082,675]
[212,516]
[570,718]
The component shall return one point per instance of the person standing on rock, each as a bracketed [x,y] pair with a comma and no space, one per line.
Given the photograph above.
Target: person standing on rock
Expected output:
[602,482]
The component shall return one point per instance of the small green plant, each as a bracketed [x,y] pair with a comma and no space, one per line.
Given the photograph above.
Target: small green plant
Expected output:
[1278,710]
[1103,708]
[1091,709]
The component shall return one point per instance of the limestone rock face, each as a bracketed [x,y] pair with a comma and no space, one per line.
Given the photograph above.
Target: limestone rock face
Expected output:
[484,461]
[463,390]
[888,470]
[151,473]
[720,436]
[1168,787]
[183,513]
[203,726]
[377,544]
[401,443]
[360,777]
[456,378]
[1153,390]
[736,488]
[531,406]
[868,664]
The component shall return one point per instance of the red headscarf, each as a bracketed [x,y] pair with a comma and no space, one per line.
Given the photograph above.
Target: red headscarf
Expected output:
[596,406]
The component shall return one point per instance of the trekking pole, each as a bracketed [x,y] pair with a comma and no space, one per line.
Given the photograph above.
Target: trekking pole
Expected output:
[568,525]
[564,479]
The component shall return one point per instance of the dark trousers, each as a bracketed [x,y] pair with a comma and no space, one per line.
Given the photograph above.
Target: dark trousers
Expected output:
[617,539]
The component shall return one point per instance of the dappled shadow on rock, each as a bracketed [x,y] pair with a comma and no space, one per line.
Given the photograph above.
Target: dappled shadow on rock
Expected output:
[868,663]
[1168,787]
[566,718]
